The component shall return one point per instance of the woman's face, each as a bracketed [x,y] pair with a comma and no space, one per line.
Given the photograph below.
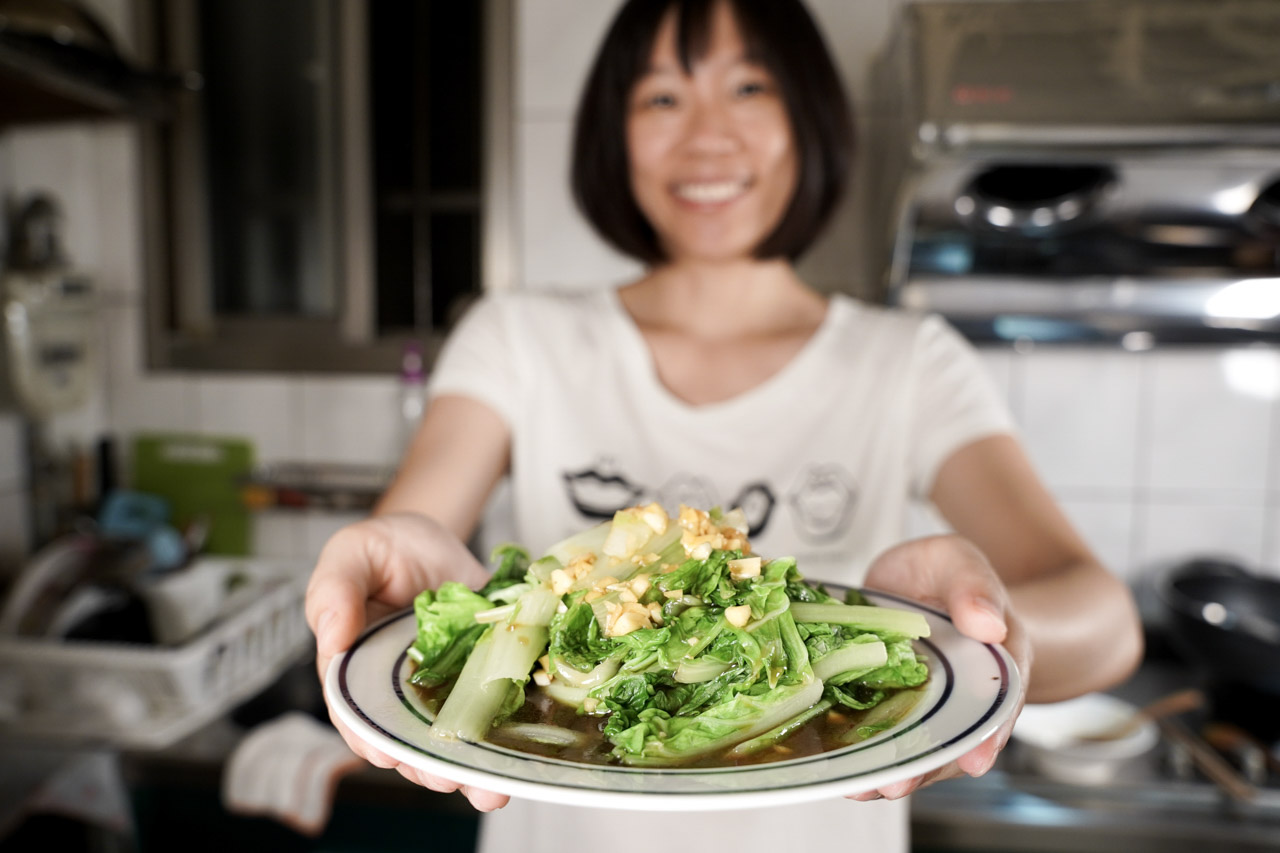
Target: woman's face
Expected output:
[713,160]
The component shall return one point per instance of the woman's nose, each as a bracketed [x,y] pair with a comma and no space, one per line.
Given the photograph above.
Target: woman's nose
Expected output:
[711,129]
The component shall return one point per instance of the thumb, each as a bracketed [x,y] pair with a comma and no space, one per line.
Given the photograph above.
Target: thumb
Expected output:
[336,596]
[950,572]
[977,614]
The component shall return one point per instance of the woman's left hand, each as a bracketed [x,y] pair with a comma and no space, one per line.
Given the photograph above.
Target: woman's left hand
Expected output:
[948,572]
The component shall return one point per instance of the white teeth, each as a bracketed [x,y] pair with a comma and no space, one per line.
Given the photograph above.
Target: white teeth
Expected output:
[710,193]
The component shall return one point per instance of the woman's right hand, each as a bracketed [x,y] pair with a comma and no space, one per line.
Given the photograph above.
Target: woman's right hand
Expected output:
[373,568]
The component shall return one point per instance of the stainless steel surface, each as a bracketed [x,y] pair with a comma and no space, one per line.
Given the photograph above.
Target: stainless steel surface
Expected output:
[1009,810]
[1159,802]
[1074,170]
[997,70]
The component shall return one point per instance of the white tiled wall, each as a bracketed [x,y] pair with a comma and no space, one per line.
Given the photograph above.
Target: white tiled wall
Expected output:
[1160,454]
[1154,455]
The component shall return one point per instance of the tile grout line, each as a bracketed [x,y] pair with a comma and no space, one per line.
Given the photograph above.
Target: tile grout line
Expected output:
[1141,461]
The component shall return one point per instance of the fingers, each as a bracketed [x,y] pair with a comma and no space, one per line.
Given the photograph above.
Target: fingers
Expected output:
[948,572]
[898,790]
[481,800]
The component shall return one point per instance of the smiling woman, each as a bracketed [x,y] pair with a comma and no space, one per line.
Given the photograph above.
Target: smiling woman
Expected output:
[773,77]
[329,182]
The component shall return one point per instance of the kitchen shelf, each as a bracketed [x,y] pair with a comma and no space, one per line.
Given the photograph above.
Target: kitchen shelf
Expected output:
[37,87]
[326,486]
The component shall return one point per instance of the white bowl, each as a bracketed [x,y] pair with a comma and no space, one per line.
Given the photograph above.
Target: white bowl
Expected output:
[1051,737]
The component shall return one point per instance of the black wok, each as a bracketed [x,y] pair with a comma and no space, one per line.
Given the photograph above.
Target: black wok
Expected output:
[1225,621]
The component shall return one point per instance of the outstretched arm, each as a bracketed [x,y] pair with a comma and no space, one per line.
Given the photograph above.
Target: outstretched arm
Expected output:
[413,541]
[1014,573]
[1080,619]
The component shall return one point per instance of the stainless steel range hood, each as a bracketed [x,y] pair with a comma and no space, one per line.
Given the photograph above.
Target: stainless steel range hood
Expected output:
[1085,169]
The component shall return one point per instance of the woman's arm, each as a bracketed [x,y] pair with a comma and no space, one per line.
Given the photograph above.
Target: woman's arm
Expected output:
[1080,619]
[413,541]
[457,456]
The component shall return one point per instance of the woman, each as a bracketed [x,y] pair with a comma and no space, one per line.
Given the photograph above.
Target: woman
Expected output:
[712,144]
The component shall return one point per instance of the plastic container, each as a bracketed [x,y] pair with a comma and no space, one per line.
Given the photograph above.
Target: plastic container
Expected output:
[149,697]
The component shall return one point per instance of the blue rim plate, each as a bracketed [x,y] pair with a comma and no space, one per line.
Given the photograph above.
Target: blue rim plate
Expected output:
[972,689]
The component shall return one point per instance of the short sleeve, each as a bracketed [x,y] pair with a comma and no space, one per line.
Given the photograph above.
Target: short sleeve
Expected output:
[477,360]
[955,402]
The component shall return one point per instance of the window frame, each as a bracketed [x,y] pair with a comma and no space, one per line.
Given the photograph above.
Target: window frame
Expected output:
[182,331]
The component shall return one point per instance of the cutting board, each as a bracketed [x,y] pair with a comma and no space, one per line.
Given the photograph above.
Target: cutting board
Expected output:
[200,476]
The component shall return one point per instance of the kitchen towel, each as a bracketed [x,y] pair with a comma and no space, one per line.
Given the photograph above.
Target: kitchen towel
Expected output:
[288,769]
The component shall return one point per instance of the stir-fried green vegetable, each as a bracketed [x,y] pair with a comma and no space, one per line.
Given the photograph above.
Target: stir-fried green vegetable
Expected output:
[671,630]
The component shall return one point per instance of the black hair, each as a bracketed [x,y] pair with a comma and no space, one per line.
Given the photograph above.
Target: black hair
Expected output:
[782,37]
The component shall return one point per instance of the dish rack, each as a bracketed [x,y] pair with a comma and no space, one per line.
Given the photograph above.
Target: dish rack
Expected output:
[149,697]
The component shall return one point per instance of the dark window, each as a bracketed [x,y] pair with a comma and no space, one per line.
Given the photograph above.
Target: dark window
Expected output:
[320,199]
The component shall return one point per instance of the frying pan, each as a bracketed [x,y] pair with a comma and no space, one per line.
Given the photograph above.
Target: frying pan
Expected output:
[1226,621]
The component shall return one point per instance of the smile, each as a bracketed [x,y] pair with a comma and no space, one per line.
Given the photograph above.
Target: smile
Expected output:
[714,192]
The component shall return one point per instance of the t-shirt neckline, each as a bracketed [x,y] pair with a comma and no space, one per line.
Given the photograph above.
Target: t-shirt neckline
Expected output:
[640,363]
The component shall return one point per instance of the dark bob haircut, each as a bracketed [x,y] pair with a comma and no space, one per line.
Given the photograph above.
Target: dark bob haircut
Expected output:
[781,36]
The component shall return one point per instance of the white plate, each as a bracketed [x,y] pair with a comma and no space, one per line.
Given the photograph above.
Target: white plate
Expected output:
[972,689]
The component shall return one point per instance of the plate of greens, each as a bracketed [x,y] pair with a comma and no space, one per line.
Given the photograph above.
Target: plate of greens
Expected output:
[656,663]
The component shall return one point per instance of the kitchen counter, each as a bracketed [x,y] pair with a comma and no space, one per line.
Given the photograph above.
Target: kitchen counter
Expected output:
[1147,806]
[1010,809]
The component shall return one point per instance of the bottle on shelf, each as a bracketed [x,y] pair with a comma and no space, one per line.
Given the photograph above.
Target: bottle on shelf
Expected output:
[413,392]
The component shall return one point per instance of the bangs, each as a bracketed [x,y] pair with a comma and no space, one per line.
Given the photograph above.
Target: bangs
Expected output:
[693,32]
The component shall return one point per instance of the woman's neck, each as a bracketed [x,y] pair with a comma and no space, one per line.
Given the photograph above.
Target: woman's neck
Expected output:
[744,298]
[716,332]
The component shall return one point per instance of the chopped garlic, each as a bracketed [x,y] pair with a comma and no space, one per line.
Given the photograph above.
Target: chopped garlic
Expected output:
[738,616]
[627,621]
[581,565]
[656,517]
[701,535]
[655,613]
[746,567]
[561,582]
[541,677]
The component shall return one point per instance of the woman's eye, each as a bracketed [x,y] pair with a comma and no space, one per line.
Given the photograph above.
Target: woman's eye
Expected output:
[662,101]
[751,89]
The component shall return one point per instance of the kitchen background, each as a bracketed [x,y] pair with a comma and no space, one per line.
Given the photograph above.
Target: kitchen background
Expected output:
[1155,454]
[1158,454]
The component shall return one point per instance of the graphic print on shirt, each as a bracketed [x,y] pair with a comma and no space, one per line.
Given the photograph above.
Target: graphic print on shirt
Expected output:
[598,492]
[757,503]
[687,489]
[822,502]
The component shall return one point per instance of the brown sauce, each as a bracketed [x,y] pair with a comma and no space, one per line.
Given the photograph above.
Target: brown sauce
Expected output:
[834,729]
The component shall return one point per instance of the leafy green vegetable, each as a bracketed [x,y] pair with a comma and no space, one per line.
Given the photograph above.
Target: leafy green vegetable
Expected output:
[513,565]
[446,631]
[674,633]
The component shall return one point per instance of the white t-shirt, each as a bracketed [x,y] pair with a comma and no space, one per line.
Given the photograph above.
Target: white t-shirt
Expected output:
[825,457]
